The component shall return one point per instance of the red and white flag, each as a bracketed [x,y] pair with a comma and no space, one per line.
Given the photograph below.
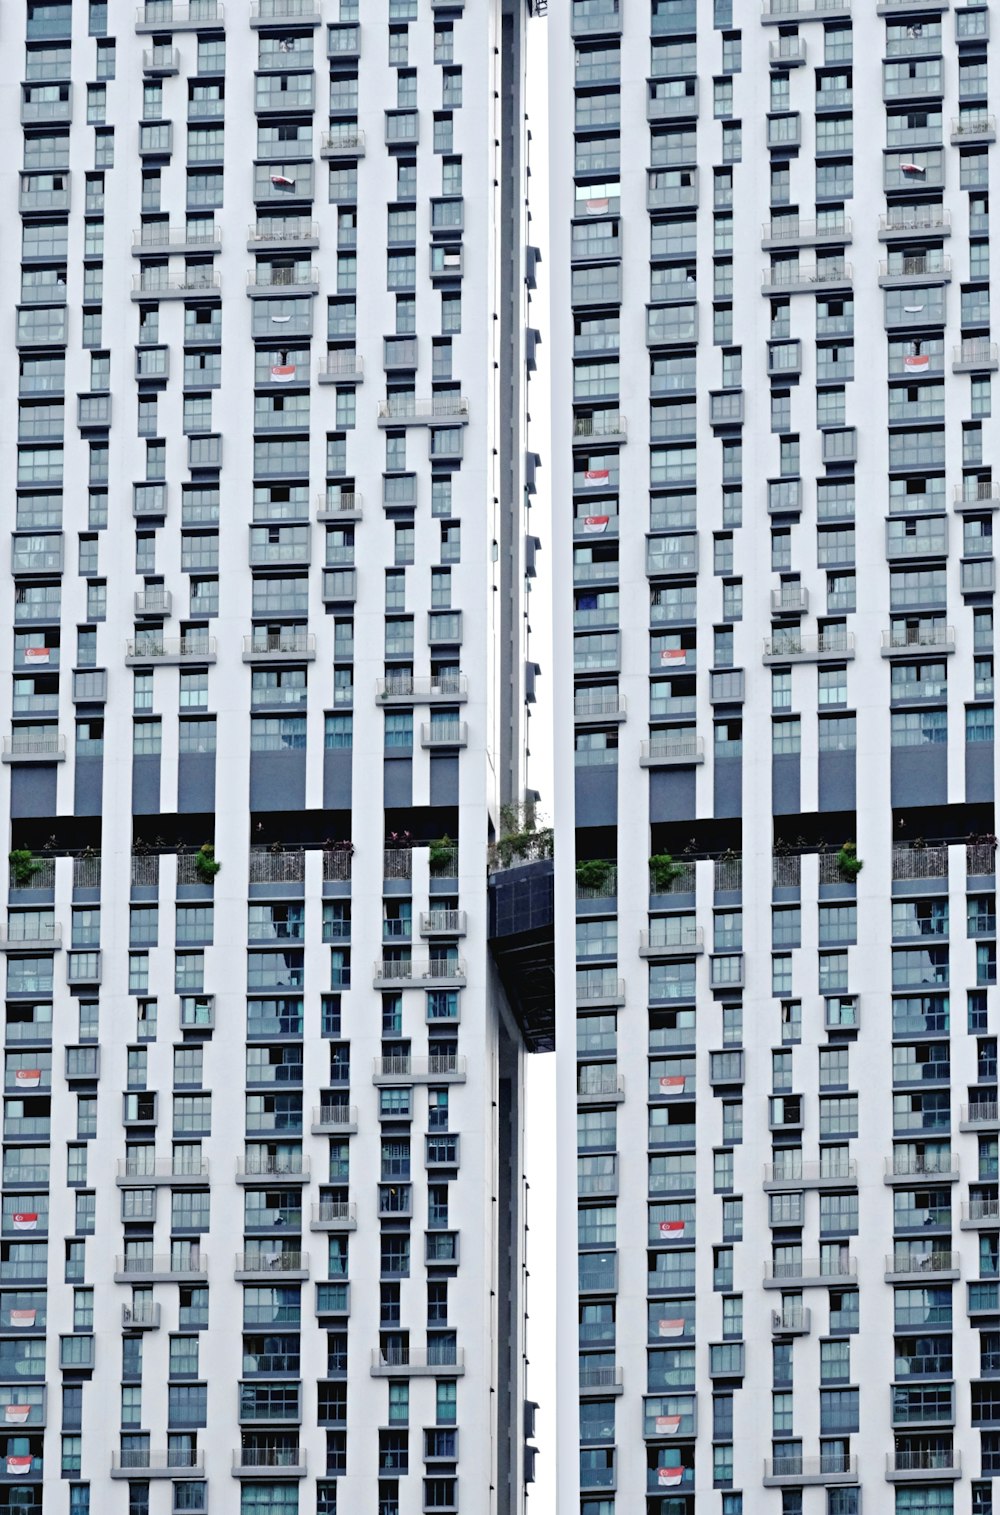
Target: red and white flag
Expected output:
[912,168]
[282,373]
[16,1415]
[669,1478]
[667,1425]
[671,655]
[36,654]
[596,478]
[671,1327]
[282,181]
[22,1318]
[916,362]
[25,1220]
[18,1467]
[671,1228]
[596,207]
[27,1078]
[594,525]
[672,1085]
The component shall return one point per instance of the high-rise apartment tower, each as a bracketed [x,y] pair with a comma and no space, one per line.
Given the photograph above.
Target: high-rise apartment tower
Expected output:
[775,472]
[263,700]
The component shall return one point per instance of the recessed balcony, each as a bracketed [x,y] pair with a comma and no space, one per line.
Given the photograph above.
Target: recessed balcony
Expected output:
[392,1071]
[407,410]
[33,744]
[410,1362]
[161,1268]
[819,647]
[165,652]
[279,647]
[800,1472]
[179,16]
[925,1465]
[141,1463]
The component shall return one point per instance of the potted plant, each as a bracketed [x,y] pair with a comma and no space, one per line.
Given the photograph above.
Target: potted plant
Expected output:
[663,870]
[848,862]
[205,865]
[597,874]
[441,854]
[23,867]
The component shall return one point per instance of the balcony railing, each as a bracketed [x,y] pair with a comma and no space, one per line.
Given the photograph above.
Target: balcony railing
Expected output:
[439,408]
[44,746]
[980,858]
[271,867]
[919,862]
[142,1460]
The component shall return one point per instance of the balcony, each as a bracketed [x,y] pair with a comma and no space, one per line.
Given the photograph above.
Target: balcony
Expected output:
[981,1115]
[344,141]
[141,1463]
[154,285]
[409,689]
[924,1465]
[444,736]
[266,280]
[282,234]
[819,647]
[443,923]
[276,12]
[31,744]
[257,1166]
[332,1118]
[407,410]
[339,504]
[907,221]
[158,237]
[341,368]
[268,1262]
[669,750]
[333,1215]
[790,279]
[915,268]
[900,641]
[799,1175]
[410,1362]
[975,355]
[800,1472]
[269,1462]
[790,599]
[161,1269]
[972,128]
[919,862]
[982,1214]
[788,52]
[905,1166]
[179,16]
[152,651]
[141,1317]
[443,1067]
[794,1321]
[135,1174]
[601,1381]
[154,602]
[279,647]
[911,1267]
[609,427]
[160,61]
[810,1274]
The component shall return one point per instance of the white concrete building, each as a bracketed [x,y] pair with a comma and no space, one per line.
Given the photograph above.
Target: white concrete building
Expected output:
[265,284]
[773,478]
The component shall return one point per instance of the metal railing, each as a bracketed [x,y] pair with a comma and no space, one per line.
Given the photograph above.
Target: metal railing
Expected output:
[608,424]
[336,864]
[171,647]
[28,744]
[272,867]
[142,1459]
[271,1260]
[843,1171]
[439,408]
[918,636]
[984,1112]
[786,870]
[919,862]
[86,873]
[728,874]
[192,1266]
[980,858]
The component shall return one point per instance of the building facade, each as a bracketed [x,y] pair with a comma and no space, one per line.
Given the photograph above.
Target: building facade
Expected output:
[262,1211]
[773,456]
